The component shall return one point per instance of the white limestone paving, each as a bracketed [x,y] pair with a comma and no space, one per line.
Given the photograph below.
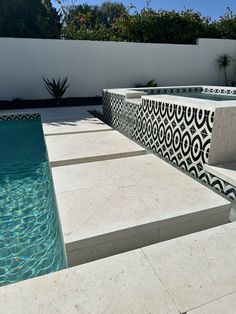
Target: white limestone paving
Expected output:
[112,206]
[115,197]
[194,274]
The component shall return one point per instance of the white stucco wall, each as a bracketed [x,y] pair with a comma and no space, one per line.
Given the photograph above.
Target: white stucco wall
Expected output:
[208,50]
[93,66]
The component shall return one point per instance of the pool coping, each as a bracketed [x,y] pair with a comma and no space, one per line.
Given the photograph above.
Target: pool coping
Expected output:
[161,94]
[19,116]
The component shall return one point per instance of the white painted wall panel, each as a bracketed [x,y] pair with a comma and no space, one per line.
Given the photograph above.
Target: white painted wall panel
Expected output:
[92,66]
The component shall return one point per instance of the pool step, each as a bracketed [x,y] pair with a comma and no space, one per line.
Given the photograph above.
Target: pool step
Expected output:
[90,146]
[113,206]
[193,274]
[110,204]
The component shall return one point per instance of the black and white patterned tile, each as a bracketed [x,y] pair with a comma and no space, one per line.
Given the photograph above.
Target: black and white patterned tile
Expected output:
[179,133]
[173,90]
[16,117]
[218,90]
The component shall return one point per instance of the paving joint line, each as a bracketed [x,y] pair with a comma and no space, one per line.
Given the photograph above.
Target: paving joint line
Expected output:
[68,162]
[80,132]
[155,272]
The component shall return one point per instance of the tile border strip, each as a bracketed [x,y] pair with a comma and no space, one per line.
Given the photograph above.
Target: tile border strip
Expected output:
[18,117]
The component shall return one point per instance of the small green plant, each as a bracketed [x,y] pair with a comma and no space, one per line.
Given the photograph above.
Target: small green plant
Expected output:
[17,100]
[223,62]
[151,83]
[56,88]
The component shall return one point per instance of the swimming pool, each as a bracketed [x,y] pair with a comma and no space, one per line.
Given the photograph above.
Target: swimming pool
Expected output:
[31,242]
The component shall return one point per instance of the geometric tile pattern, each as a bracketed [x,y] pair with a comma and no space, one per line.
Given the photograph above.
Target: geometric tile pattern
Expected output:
[155,91]
[220,90]
[203,89]
[119,113]
[219,185]
[179,133]
[112,107]
[27,116]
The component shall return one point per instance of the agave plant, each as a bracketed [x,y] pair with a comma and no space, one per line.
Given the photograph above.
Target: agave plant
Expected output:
[56,88]
[17,100]
[223,62]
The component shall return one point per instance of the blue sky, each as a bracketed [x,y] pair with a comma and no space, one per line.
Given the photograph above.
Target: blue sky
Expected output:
[213,8]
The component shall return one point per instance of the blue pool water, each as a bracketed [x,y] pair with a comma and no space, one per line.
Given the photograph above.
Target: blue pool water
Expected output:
[30,236]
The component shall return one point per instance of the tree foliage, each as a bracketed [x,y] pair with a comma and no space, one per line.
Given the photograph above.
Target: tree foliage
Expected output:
[226,26]
[114,21]
[91,22]
[163,26]
[29,18]
[109,21]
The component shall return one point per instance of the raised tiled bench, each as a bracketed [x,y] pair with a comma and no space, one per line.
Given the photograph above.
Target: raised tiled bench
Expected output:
[189,132]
